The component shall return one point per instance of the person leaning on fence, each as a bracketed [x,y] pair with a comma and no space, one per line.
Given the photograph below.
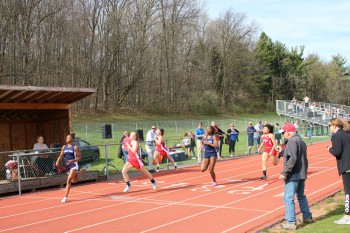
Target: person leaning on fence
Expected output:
[250,137]
[45,163]
[72,155]
[199,134]
[340,149]
[294,175]
[150,147]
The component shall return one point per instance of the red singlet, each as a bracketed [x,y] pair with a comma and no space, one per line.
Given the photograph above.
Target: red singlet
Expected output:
[268,145]
[134,159]
[161,148]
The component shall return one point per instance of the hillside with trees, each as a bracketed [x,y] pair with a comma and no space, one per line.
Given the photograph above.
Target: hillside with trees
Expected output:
[159,55]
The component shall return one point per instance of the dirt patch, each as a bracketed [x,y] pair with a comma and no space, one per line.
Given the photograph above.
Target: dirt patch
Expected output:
[319,210]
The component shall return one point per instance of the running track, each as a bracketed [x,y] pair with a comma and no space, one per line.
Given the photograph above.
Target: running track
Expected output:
[184,200]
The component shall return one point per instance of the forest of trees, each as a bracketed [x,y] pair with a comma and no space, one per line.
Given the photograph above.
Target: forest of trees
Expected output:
[159,55]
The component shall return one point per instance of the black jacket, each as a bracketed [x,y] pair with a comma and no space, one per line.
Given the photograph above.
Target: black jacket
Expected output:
[341,150]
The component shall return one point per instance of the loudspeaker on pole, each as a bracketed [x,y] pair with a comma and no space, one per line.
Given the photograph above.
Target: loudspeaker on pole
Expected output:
[140,133]
[106,131]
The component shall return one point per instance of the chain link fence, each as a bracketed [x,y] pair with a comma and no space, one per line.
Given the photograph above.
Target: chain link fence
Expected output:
[28,170]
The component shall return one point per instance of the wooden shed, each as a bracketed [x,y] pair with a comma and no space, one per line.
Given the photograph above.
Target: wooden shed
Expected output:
[28,111]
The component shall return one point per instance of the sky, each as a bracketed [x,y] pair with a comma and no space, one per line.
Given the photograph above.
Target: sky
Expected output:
[322,26]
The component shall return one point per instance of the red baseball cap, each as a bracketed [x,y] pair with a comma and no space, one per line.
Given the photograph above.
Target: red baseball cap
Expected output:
[288,128]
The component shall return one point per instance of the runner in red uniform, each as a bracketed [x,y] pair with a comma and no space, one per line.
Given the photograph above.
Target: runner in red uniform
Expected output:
[269,143]
[135,161]
[161,149]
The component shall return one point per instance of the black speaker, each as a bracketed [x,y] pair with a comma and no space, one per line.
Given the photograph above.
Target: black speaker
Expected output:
[140,133]
[106,131]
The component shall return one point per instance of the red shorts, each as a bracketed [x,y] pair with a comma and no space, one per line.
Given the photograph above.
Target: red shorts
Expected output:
[136,163]
[268,150]
[164,153]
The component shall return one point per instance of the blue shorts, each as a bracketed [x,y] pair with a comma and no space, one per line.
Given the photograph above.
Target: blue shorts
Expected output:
[208,155]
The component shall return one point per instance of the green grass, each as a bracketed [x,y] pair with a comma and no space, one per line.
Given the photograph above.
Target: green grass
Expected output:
[326,224]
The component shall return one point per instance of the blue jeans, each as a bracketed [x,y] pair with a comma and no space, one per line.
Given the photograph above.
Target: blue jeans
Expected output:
[126,156]
[290,189]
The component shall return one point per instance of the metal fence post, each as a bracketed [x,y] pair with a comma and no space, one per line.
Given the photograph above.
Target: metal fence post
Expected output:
[19,175]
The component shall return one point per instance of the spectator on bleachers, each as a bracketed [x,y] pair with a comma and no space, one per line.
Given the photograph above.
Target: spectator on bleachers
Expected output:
[306,100]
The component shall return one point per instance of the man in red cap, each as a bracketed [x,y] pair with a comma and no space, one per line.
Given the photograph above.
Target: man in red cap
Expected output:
[294,174]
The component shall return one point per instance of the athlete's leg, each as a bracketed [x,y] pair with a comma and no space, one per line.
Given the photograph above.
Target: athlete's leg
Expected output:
[146,173]
[264,159]
[71,175]
[211,168]
[205,164]
[275,160]
[127,167]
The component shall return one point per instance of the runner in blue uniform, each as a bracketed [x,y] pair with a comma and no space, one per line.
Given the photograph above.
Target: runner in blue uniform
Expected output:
[72,156]
[210,143]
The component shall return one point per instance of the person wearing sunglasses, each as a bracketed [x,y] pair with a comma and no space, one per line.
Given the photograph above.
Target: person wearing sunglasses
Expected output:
[150,147]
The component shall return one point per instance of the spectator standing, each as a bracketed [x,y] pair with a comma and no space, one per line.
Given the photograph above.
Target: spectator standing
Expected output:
[220,136]
[186,141]
[278,135]
[296,125]
[257,135]
[150,147]
[250,137]
[340,149]
[193,144]
[199,134]
[232,134]
[306,100]
[294,175]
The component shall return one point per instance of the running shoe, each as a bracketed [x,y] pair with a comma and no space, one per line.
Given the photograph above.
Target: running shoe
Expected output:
[288,226]
[158,168]
[263,178]
[86,166]
[64,200]
[342,221]
[154,185]
[126,188]
[214,184]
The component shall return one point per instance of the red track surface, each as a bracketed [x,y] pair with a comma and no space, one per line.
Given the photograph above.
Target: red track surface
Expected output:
[184,201]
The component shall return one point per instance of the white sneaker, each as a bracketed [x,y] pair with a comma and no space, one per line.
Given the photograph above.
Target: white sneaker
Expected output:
[86,166]
[343,221]
[64,200]
[154,185]
[158,168]
[127,187]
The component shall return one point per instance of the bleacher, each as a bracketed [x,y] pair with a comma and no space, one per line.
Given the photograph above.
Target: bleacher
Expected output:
[317,113]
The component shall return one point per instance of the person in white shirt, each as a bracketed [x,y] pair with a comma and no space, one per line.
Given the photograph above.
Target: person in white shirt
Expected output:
[150,147]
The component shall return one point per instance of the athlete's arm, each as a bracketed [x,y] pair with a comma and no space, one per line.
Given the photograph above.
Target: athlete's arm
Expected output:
[60,156]
[273,140]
